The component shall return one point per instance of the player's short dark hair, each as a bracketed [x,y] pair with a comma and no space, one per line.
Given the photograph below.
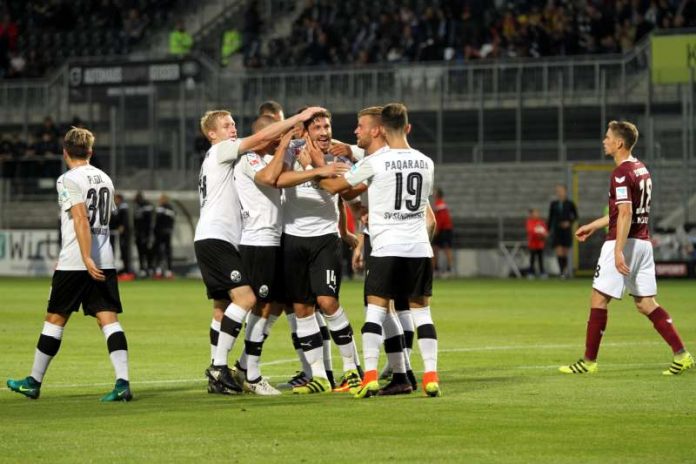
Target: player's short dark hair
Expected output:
[261,123]
[270,107]
[395,117]
[318,114]
[78,143]
[626,131]
[439,192]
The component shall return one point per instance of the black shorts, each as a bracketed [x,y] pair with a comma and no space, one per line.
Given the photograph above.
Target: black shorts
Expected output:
[70,289]
[264,266]
[311,267]
[393,277]
[400,301]
[443,239]
[221,267]
[562,237]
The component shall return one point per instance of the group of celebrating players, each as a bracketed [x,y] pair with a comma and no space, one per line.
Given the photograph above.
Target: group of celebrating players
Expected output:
[263,250]
[269,237]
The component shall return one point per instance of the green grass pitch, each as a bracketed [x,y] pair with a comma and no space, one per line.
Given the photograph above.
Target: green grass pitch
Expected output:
[504,402]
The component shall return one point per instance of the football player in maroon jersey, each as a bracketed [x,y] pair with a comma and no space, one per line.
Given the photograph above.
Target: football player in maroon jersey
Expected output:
[626,260]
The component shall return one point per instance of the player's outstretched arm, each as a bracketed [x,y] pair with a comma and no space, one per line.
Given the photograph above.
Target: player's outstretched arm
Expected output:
[84,240]
[584,232]
[272,132]
[335,184]
[293,178]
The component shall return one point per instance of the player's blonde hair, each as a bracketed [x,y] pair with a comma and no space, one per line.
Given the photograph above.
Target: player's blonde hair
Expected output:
[374,111]
[209,120]
[626,131]
[78,143]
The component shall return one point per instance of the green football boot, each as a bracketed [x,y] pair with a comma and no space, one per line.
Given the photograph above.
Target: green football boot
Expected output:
[121,392]
[28,387]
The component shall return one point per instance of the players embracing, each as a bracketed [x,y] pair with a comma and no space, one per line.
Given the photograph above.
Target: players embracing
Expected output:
[400,181]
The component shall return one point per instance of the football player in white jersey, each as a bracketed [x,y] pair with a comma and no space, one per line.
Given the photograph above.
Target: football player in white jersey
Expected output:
[273,109]
[86,274]
[400,181]
[398,326]
[218,235]
[312,262]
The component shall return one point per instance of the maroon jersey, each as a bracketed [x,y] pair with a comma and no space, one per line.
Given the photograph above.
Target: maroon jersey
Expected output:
[630,183]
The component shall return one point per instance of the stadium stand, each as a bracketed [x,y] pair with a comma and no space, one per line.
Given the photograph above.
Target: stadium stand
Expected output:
[350,33]
[36,36]
[506,95]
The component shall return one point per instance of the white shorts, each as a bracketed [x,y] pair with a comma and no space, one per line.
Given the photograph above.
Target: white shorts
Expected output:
[639,259]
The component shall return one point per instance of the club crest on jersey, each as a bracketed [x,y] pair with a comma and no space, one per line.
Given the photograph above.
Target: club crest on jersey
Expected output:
[235,276]
[263,291]
[621,193]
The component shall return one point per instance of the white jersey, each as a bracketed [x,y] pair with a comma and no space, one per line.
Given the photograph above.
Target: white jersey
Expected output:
[261,216]
[220,209]
[400,180]
[357,152]
[308,210]
[91,186]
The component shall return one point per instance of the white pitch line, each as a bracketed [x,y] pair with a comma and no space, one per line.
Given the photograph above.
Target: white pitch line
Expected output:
[538,347]
[444,350]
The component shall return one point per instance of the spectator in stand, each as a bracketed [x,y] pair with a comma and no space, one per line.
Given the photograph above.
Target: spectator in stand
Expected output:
[134,26]
[340,33]
[164,229]
[443,236]
[48,127]
[536,240]
[231,43]
[7,166]
[562,215]
[252,31]
[142,223]
[180,41]
[17,65]
[8,43]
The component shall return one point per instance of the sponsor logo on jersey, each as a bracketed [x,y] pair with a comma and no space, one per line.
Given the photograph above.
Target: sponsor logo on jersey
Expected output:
[263,291]
[621,193]
[398,216]
[620,180]
[235,276]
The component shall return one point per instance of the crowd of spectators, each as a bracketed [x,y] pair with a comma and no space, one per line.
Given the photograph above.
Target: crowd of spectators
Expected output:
[363,31]
[36,35]
[39,156]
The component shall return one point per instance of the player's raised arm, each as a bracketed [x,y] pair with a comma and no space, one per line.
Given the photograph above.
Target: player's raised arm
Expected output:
[275,130]
[269,174]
